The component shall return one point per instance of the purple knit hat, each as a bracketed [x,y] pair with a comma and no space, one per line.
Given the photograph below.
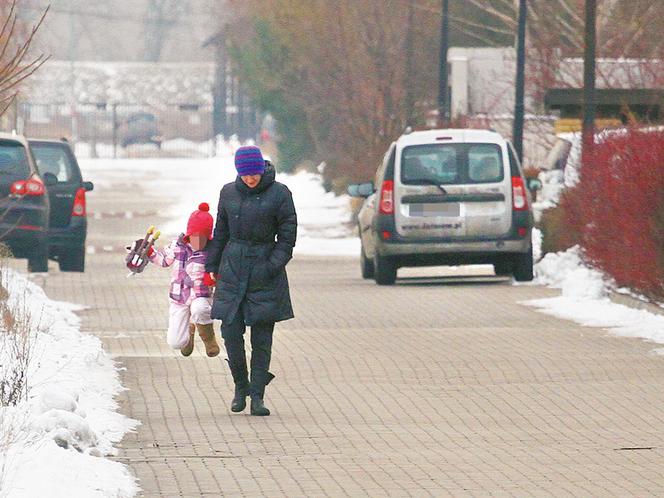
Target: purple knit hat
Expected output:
[249,161]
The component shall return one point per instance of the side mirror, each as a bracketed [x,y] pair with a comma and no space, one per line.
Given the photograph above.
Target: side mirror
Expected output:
[50,179]
[361,189]
[88,186]
[534,184]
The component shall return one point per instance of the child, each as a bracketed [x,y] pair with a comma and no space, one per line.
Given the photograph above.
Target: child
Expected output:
[190,295]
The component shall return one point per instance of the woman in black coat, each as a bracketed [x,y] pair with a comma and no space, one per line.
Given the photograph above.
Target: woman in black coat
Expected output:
[250,268]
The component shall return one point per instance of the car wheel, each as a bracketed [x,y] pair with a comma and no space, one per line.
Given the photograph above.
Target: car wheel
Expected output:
[73,260]
[523,268]
[367,265]
[385,270]
[38,259]
[503,268]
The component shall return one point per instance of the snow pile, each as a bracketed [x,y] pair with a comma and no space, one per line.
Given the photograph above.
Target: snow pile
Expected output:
[574,160]
[537,239]
[58,437]
[552,188]
[566,271]
[555,181]
[324,219]
[585,298]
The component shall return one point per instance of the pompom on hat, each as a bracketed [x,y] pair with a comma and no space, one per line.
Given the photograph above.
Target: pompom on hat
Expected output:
[201,221]
[249,161]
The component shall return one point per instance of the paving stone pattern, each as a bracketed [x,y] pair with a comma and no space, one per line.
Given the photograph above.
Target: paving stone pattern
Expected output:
[434,387]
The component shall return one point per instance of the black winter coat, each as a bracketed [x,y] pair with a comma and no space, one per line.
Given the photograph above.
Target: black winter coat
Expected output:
[250,263]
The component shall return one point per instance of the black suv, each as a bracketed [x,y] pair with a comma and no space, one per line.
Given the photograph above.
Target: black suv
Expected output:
[68,223]
[24,203]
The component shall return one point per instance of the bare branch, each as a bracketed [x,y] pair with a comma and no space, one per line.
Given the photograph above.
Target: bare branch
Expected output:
[14,69]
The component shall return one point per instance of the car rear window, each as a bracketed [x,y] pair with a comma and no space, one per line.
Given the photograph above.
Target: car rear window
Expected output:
[447,164]
[55,159]
[13,160]
[485,163]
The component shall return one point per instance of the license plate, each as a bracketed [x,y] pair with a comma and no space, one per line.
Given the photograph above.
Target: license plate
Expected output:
[442,210]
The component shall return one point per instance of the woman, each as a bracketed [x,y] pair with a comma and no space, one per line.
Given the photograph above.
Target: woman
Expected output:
[252,287]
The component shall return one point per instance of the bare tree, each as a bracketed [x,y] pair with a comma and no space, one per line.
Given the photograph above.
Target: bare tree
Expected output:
[160,18]
[16,64]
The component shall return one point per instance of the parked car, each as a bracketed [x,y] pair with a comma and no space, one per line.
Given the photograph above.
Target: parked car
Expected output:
[68,223]
[24,204]
[446,197]
[140,128]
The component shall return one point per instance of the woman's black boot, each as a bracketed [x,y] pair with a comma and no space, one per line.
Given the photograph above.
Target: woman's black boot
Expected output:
[259,379]
[241,380]
[258,408]
[240,400]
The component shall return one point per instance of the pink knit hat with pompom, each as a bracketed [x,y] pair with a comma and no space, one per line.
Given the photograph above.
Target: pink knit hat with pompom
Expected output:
[200,221]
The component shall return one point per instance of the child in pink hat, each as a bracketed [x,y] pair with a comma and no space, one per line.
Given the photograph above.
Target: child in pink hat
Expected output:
[190,294]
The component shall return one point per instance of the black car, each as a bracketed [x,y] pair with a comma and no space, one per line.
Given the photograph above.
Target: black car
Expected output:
[68,224]
[24,204]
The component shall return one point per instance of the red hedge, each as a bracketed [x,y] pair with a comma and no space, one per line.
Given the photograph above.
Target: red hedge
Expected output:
[618,209]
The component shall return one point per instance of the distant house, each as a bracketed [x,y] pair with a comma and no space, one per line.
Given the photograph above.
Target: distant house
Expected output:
[482,82]
[482,92]
[629,90]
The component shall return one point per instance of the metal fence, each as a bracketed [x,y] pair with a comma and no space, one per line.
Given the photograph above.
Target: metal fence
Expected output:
[122,130]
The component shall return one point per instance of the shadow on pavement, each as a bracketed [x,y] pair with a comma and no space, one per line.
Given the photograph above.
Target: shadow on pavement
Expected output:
[456,280]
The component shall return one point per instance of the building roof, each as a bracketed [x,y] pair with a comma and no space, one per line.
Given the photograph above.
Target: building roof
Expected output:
[558,97]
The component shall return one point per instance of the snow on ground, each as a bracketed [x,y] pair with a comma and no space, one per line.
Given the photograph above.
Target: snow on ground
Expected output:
[323,218]
[69,422]
[585,298]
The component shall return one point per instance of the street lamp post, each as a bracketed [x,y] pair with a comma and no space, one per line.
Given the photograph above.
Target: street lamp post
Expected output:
[589,79]
[519,106]
[443,106]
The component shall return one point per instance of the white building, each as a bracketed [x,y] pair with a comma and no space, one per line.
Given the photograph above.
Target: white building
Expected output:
[481,81]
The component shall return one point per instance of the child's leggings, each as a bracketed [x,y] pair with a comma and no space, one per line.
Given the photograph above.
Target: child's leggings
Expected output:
[181,315]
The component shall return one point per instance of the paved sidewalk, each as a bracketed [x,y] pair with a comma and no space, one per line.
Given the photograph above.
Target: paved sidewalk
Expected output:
[444,387]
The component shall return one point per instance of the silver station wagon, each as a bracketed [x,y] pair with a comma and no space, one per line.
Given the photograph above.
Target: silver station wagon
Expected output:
[446,197]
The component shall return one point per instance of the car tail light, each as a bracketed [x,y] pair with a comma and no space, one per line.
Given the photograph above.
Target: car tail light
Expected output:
[31,186]
[79,203]
[519,197]
[387,197]
[386,235]
[18,188]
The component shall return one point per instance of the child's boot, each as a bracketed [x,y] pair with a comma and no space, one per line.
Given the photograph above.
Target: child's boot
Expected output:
[189,347]
[206,331]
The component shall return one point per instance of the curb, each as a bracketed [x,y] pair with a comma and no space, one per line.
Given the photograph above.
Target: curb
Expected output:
[635,303]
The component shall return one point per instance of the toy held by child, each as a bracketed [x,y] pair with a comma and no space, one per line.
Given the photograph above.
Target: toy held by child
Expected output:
[137,259]
[190,294]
